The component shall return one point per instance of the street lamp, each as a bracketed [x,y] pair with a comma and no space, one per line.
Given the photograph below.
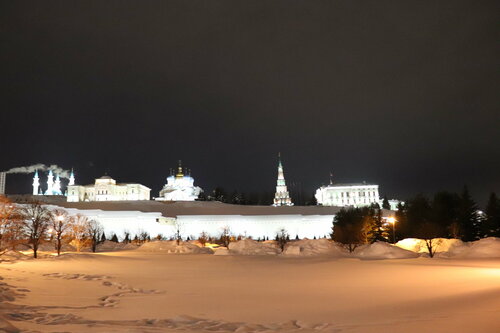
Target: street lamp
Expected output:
[393,221]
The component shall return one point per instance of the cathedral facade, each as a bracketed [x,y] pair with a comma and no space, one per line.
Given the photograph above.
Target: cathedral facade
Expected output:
[179,187]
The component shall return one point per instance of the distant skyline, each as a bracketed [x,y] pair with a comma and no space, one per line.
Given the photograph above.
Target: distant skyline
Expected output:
[401,94]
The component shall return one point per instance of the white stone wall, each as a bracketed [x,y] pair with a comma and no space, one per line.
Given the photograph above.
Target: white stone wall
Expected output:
[305,226]
[256,226]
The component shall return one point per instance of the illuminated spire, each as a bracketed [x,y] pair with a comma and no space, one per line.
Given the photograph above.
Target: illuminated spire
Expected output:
[57,186]
[179,174]
[71,178]
[50,183]
[281,197]
[36,183]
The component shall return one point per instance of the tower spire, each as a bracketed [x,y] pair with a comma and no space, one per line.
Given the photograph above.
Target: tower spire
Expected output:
[281,197]
[50,183]
[71,178]
[179,174]
[36,183]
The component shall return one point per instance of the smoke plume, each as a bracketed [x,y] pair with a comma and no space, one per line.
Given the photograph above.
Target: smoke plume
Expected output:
[41,167]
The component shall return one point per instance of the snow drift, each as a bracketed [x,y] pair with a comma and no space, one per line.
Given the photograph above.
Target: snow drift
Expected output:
[311,247]
[172,247]
[108,246]
[483,248]
[251,247]
[418,245]
[382,250]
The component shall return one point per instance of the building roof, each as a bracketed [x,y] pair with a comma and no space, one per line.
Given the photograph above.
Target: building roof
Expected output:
[349,184]
[177,208]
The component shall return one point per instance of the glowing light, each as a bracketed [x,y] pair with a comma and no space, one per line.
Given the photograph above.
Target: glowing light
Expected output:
[391,220]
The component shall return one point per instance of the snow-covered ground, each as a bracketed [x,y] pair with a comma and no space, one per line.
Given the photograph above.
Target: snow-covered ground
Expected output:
[316,287]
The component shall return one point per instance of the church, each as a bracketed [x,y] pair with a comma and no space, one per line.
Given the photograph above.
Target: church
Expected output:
[179,187]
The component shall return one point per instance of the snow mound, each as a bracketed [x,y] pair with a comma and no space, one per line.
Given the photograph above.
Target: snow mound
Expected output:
[108,246]
[418,245]
[172,247]
[251,247]
[311,247]
[221,251]
[483,248]
[13,256]
[382,250]
[50,247]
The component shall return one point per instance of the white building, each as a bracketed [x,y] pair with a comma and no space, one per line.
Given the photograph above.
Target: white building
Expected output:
[343,195]
[179,187]
[282,196]
[106,189]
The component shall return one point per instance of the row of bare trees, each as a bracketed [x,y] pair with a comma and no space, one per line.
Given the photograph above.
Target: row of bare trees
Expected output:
[33,223]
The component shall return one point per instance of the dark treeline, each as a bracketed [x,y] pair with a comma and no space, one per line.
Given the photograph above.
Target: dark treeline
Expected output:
[445,215]
[254,198]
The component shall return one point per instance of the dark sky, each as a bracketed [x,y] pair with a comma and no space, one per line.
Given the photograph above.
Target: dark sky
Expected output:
[400,93]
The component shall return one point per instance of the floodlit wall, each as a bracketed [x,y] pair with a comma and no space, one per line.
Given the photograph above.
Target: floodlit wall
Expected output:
[258,226]
[117,222]
[255,226]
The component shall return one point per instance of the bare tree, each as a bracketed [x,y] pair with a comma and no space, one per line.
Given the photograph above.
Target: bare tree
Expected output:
[36,221]
[79,231]
[178,227]
[203,238]
[93,230]
[429,232]
[10,225]
[143,236]
[60,224]
[225,237]
[282,238]
[126,237]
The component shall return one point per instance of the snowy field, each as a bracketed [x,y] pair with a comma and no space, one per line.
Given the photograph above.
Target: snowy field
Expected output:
[154,291]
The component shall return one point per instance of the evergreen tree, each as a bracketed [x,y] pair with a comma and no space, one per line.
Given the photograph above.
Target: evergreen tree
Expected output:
[385,203]
[126,239]
[348,227]
[402,229]
[374,226]
[219,194]
[114,238]
[467,217]
[418,212]
[103,237]
[490,227]
[444,212]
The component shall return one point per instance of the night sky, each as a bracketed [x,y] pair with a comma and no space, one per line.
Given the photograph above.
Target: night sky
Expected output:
[399,93]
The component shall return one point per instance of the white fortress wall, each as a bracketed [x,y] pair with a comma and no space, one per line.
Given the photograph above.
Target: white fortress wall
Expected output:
[256,226]
[117,222]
